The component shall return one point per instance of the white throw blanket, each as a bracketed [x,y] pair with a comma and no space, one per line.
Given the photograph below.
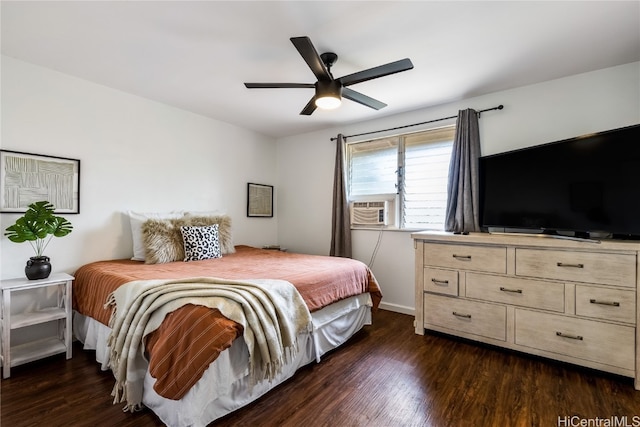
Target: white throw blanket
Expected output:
[272,313]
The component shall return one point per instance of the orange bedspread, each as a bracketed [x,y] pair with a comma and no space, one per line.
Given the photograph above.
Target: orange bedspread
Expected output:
[175,349]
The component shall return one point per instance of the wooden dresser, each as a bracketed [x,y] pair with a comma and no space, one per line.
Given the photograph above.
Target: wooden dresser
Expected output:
[568,300]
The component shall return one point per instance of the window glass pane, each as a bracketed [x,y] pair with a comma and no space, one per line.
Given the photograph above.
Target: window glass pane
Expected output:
[372,167]
[424,158]
[426,168]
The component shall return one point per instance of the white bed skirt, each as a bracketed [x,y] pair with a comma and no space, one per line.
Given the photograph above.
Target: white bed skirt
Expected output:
[224,386]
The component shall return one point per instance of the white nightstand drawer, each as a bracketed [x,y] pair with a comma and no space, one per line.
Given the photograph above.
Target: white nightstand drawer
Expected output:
[478,318]
[540,294]
[580,338]
[441,281]
[606,303]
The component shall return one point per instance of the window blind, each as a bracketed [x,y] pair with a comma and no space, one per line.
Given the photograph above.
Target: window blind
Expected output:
[426,168]
[372,167]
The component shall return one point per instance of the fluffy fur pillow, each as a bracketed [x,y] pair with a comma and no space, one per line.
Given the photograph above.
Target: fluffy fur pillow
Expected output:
[137,219]
[163,239]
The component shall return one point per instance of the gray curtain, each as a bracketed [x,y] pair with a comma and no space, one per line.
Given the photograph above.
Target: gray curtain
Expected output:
[340,220]
[463,205]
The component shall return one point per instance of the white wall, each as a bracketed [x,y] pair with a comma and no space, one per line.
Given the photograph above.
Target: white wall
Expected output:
[142,155]
[535,114]
[135,154]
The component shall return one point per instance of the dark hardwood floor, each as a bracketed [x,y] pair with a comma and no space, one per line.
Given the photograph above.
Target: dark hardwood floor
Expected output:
[384,376]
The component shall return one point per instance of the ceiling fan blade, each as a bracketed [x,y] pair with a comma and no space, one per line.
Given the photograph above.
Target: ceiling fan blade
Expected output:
[375,72]
[311,57]
[362,99]
[309,108]
[279,85]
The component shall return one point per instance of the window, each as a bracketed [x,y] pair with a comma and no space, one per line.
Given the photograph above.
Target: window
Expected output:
[413,168]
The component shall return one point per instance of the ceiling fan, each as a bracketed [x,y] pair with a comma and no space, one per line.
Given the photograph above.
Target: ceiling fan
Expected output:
[330,90]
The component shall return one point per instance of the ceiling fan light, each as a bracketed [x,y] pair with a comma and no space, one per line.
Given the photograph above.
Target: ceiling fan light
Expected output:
[328,94]
[328,102]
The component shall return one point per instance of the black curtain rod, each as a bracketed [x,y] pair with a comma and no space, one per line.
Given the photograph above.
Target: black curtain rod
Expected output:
[499,107]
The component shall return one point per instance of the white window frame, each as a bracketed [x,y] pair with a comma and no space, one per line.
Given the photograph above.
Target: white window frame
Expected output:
[397,200]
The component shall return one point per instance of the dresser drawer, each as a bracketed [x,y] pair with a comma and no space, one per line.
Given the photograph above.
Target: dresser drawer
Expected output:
[490,259]
[604,303]
[590,267]
[579,338]
[540,294]
[441,281]
[477,318]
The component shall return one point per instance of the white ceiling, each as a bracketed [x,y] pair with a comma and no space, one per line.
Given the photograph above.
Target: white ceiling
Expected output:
[196,55]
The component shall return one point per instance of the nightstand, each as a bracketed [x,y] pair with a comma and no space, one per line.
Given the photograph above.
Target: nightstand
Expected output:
[60,313]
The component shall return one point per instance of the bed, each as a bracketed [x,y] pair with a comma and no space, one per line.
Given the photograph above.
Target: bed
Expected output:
[192,375]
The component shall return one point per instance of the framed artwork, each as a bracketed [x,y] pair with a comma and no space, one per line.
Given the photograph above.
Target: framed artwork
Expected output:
[259,200]
[26,178]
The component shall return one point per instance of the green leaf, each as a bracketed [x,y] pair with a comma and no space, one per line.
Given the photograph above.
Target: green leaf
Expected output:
[17,235]
[60,226]
[24,230]
[36,224]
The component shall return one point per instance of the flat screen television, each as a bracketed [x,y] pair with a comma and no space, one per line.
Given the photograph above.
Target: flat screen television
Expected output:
[576,187]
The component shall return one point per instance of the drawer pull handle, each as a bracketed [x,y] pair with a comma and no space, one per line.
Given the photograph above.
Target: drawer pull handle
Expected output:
[562,264]
[440,282]
[611,303]
[515,291]
[573,337]
[462,257]
[466,316]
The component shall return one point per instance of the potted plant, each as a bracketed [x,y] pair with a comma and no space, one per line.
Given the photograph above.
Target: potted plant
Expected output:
[38,226]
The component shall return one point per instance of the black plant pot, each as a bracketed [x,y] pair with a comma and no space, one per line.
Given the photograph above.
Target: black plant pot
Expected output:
[38,267]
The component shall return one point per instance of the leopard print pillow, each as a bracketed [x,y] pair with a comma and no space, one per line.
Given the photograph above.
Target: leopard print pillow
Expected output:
[201,242]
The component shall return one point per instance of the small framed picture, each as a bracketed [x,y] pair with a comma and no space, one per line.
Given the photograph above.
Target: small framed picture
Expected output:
[26,178]
[259,200]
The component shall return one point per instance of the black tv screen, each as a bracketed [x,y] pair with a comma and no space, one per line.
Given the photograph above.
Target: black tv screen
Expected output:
[580,185]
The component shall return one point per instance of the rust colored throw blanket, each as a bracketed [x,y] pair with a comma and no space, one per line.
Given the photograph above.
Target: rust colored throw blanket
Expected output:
[174,350]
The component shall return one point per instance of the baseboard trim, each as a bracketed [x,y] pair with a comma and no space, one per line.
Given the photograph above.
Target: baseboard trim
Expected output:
[398,308]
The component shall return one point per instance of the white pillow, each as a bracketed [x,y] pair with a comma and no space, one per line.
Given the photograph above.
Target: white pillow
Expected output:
[205,213]
[137,219]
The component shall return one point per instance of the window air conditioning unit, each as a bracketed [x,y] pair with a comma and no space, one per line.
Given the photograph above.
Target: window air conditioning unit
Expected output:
[369,213]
